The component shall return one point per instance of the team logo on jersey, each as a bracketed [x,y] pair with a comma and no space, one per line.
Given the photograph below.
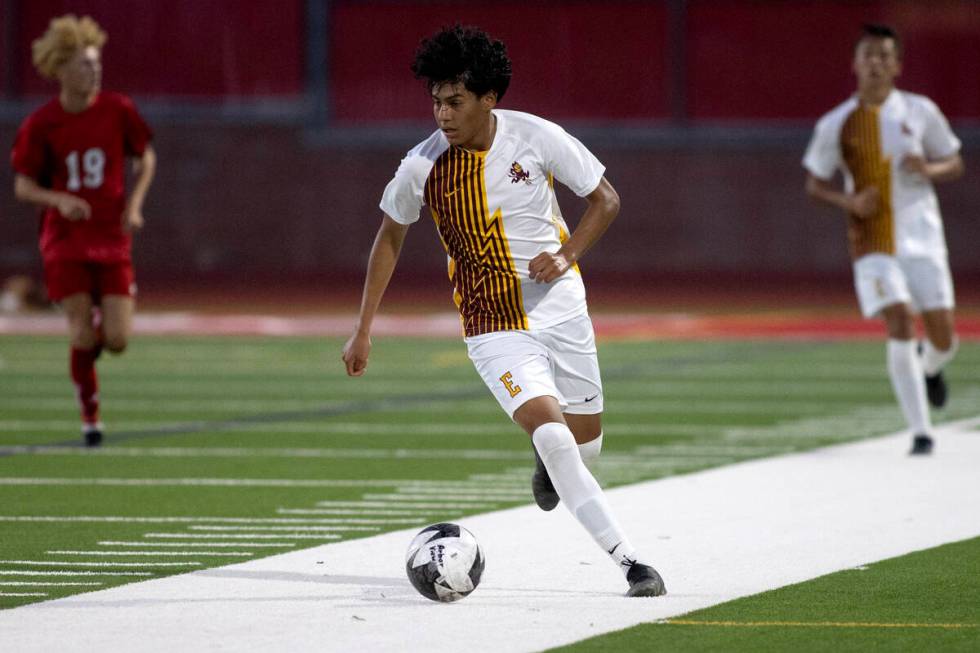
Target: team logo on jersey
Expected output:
[518,173]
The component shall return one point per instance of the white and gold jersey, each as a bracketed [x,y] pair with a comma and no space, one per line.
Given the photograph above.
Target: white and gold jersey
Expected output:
[867,144]
[495,211]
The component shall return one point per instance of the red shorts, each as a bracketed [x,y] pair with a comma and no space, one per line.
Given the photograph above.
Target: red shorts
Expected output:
[64,278]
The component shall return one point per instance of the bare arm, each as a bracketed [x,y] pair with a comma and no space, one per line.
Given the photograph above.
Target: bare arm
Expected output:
[71,207]
[381,264]
[862,204]
[602,210]
[144,167]
[949,169]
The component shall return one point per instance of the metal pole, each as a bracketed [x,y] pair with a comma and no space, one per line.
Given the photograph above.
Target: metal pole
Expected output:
[676,86]
[7,56]
[317,67]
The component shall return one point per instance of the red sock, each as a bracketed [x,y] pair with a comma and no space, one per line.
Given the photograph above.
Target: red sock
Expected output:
[86,383]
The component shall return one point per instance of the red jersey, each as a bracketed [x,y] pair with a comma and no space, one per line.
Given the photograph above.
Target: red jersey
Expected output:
[83,154]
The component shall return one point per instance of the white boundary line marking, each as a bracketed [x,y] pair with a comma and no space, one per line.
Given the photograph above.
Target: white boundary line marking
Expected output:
[217,520]
[716,535]
[11,583]
[366,511]
[243,536]
[260,545]
[222,482]
[483,497]
[162,554]
[368,529]
[72,563]
[20,572]
[431,505]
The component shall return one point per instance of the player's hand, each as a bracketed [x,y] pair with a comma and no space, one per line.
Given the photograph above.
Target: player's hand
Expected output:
[356,352]
[865,204]
[132,220]
[916,164]
[73,208]
[546,267]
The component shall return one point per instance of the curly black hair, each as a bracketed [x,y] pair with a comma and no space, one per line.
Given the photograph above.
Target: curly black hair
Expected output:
[464,55]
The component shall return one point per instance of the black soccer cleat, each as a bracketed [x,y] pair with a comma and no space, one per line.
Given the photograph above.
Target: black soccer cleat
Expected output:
[543,489]
[644,581]
[936,389]
[92,433]
[921,445]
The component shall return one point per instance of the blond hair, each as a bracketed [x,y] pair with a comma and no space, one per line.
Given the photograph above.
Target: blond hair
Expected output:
[66,35]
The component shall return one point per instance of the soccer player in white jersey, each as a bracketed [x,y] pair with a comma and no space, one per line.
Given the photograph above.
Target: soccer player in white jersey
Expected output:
[487,176]
[891,146]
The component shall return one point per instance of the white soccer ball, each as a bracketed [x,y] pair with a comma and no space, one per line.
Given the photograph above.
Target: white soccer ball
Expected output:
[444,562]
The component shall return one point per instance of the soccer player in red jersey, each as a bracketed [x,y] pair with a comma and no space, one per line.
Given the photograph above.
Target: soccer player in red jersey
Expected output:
[69,158]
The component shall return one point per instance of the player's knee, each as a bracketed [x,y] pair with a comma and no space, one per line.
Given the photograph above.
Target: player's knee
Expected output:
[115,343]
[82,336]
[942,341]
[551,438]
[900,332]
[898,321]
[537,411]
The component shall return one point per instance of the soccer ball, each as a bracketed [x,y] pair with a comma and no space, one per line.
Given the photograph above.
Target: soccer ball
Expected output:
[444,562]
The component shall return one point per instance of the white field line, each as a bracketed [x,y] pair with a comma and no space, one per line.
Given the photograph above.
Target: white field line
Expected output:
[241,452]
[19,572]
[246,536]
[761,405]
[162,554]
[432,505]
[715,536]
[358,428]
[215,520]
[285,528]
[714,370]
[10,583]
[463,499]
[197,386]
[23,594]
[261,545]
[492,497]
[209,482]
[365,511]
[71,563]
[429,492]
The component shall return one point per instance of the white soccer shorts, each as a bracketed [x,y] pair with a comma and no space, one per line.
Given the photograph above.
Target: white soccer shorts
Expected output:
[558,361]
[922,282]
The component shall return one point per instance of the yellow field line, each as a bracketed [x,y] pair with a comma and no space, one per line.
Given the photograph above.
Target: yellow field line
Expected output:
[809,624]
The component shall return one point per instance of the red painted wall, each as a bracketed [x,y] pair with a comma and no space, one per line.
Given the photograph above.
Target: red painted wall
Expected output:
[197,48]
[571,59]
[791,60]
[747,60]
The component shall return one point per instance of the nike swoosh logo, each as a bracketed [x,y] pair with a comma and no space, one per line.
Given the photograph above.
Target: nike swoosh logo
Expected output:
[452,192]
[612,550]
[587,399]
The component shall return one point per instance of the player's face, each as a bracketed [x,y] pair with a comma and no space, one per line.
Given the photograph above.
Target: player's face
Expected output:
[82,74]
[876,62]
[463,116]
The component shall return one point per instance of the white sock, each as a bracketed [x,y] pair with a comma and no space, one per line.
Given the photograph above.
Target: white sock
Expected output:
[590,451]
[580,492]
[909,385]
[934,360]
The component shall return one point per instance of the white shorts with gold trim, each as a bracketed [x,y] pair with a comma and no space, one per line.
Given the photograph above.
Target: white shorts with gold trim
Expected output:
[558,361]
[924,283]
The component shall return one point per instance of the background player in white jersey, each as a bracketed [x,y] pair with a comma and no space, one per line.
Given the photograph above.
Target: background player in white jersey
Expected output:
[488,176]
[891,146]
